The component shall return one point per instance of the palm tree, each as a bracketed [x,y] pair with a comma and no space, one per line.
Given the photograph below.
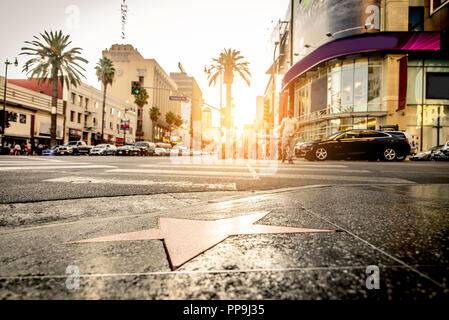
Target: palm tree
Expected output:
[53,61]
[154,116]
[229,62]
[141,100]
[170,118]
[105,73]
[178,121]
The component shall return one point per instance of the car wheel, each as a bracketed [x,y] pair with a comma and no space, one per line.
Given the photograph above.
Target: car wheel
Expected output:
[321,154]
[389,154]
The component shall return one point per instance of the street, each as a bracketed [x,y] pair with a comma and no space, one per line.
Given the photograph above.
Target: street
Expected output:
[337,220]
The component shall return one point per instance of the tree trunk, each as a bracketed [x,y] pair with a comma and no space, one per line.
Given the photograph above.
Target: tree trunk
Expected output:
[54,105]
[228,118]
[104,110]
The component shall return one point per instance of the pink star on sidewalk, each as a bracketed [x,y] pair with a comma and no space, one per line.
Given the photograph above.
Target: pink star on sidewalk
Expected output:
[186,239]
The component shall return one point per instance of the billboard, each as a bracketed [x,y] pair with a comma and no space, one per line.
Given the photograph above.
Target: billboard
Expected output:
[317,22]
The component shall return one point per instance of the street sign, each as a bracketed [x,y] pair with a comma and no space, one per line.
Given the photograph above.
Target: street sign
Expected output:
[124,124]
[175,98]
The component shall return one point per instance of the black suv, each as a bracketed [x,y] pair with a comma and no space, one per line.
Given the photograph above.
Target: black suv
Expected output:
[357,144]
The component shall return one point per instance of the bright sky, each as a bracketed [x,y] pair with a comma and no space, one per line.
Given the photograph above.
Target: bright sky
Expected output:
[170,31]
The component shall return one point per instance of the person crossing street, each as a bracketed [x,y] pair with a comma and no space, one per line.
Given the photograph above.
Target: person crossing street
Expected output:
[289,128]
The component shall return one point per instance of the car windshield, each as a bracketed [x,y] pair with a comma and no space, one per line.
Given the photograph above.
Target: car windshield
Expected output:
[101,146]
[333,136]
[141,145]
[70,143]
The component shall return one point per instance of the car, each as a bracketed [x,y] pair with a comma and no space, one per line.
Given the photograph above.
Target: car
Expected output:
[128,150]
[159,152]
[51,151]
[147,148]
[103,150]
[441,154]
[425,155]
[167,151]
[74,148]
[358,144]
[407,136]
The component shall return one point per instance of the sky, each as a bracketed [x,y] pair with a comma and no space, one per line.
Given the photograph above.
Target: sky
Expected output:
[170,31]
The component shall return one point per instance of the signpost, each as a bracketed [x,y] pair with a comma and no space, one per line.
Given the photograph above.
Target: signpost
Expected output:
[124,126]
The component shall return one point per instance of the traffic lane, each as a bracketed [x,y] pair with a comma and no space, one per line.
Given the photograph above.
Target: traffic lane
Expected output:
[410,223]
[311,266]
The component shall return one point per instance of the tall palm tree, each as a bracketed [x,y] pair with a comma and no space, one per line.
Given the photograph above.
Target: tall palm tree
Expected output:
[105,73]
[170,118]
[53,61]
[141,100]
[154,116]
[228,63]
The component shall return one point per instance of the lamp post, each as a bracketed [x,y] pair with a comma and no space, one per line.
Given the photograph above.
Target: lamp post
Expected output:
[7,63]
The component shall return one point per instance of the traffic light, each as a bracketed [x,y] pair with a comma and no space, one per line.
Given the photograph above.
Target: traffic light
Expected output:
[136,87]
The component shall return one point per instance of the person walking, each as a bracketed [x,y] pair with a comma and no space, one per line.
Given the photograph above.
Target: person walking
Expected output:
[17,149]
[288,130]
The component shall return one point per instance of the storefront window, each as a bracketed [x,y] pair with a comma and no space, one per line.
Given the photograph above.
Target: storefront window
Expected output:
[347,86]
[361,88]
[334,89]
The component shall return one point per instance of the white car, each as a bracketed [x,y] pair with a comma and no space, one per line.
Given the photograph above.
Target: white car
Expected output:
[159,152]
[103,150]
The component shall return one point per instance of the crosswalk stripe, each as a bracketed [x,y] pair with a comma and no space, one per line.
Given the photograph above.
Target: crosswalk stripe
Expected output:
[28,163]
[248,175]
[55,167]
[87,180]
[263,169]
[230,165]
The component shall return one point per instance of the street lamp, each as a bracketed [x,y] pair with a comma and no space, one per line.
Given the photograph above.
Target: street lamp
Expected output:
[7,63]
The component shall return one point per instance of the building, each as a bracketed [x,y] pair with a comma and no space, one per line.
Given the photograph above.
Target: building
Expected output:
[366,64]
[191,110]
[29,114]
[206,122]
[79,114]
[131,66]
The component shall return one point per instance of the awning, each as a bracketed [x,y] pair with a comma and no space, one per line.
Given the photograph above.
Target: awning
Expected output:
[371,42]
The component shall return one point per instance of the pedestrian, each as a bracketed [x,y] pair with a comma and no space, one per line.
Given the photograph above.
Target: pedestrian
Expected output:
[40,147]
[289,128]
[29,149]
[17,149]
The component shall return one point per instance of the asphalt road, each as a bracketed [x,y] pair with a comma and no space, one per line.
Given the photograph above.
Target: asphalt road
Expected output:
[390,215]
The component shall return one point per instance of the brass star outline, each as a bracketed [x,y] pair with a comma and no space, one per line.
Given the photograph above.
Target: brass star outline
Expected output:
[185,239]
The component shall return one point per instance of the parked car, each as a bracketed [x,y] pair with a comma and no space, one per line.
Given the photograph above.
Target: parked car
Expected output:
[147,148]
[357,144]
[50,151]
[159,152]
[441,154]
[407,136]
[425,155]
[74,148]
[103,150]
[128,151]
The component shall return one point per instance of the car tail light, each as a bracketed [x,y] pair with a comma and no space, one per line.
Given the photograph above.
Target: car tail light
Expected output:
[406,140]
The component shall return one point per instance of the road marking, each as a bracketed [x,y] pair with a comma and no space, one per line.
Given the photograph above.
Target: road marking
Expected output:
[249,175]
[30,163]
[230,166]
[185,184]
[55,167]
[253,172]
[262,169]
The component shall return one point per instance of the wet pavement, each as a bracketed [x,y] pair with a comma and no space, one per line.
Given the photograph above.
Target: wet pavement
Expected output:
[403,229]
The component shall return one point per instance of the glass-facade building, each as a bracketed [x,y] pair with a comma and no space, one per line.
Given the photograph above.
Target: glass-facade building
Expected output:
[375,69]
